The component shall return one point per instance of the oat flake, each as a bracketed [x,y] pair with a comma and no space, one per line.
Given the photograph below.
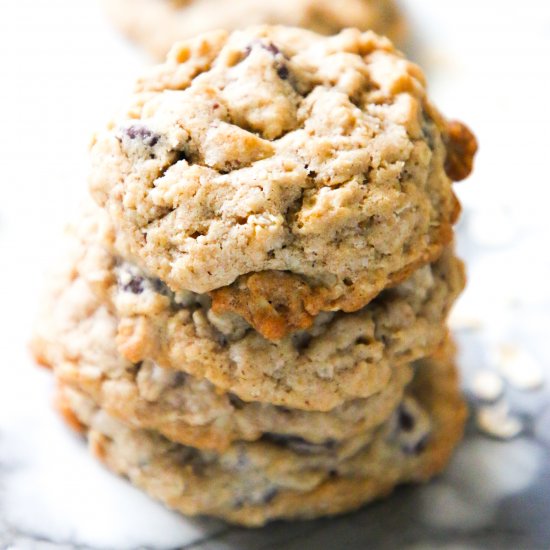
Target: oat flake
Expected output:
[496,421]
[487,385]
[519,367]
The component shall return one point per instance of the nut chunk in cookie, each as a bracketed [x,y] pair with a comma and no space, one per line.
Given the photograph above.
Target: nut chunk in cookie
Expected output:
[315,161]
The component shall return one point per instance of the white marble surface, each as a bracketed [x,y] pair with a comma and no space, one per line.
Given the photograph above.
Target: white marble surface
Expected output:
[63,70]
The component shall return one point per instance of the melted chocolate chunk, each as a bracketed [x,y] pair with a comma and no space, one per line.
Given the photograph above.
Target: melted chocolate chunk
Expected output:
[283,72]
[135,286]
[281,67]
[179,379]
[298,444]
[301,340]
[148,137]
[236,402]
[406,420]
[411,434]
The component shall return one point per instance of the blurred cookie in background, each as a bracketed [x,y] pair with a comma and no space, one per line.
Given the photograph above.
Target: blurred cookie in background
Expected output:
[157,24]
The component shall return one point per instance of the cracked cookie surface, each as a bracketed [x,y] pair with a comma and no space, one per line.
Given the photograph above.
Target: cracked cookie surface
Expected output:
[253,483]
[157,24]
[344,356]
[279,153]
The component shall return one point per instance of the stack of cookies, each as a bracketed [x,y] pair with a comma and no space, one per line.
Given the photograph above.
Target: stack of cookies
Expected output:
[252,320]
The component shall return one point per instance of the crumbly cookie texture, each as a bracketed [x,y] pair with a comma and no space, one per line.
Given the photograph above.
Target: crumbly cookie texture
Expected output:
[253,483]
[344,356]
[77,339]
[279,159]
[157,24]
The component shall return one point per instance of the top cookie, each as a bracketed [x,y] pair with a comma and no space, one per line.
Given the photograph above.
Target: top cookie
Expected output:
[308,172]
[157,24]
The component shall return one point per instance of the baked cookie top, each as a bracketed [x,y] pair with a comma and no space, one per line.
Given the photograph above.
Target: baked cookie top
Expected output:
[157,24]
[252,483]
[309,173]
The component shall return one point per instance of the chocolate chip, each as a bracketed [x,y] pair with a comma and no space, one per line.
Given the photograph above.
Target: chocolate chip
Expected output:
[148,137]
[281,68]
[236,402]
[221,339]
[135,286]
[179,379]
[299,444]
[420,447]
[282,72]
[269,495]
[406,420]
[412,432]
[271,48]
[301,340]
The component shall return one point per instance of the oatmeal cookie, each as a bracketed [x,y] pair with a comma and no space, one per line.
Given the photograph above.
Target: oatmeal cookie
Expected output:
[157,24]
[344,356]
[253,483]
[285,172]
[77,339]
